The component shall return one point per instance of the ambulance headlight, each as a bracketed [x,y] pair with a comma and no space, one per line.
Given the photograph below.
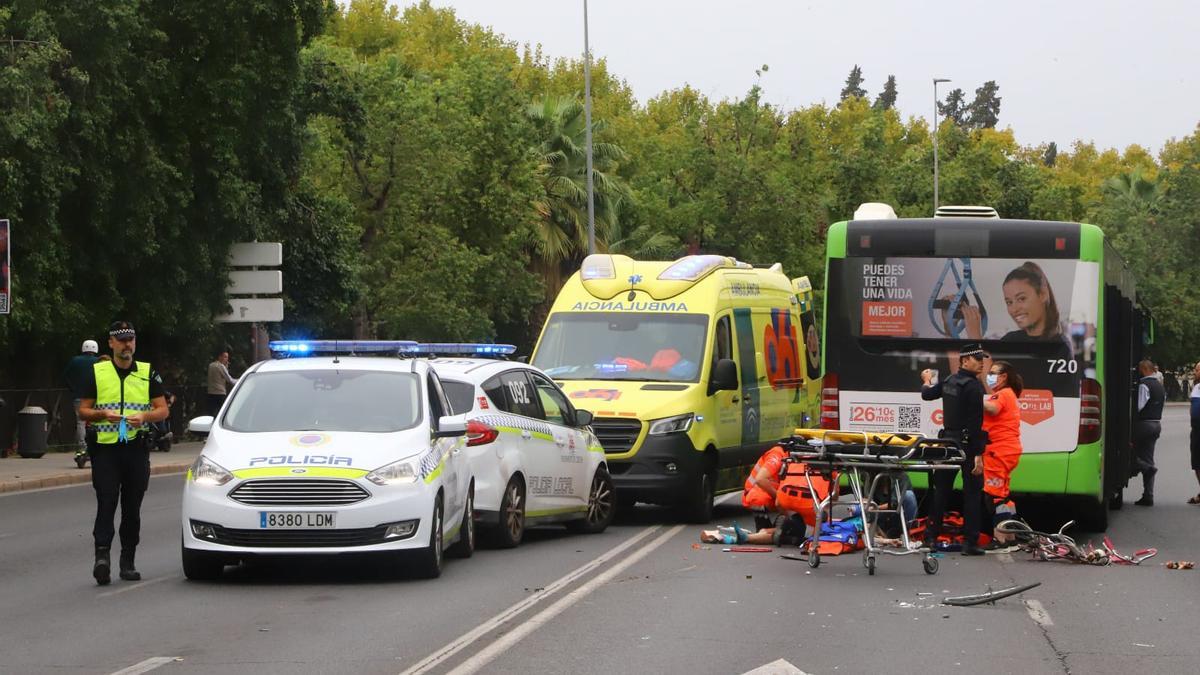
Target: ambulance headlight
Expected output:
[671,425]
[204,471]
[396,473]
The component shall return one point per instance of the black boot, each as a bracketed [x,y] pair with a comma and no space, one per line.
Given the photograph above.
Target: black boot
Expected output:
[102,569]
[128,573]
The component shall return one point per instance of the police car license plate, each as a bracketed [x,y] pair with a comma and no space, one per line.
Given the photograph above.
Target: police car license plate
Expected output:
[294,520]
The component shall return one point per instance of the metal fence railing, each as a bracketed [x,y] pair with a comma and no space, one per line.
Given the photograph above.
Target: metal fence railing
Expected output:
[59,404]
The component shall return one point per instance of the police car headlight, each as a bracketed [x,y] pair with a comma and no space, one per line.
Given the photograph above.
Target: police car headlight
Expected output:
[207,472]
[396,473]
[671,425]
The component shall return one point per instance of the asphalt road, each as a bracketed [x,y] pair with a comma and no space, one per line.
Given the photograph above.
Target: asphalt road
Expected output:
[638,598]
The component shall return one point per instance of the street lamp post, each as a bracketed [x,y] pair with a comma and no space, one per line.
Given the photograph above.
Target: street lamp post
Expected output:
[587,120]
[936,80]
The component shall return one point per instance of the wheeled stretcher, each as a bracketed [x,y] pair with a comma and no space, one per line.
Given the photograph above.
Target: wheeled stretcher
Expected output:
[868,461]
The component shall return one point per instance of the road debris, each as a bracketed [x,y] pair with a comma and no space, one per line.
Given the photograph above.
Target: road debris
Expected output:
[1180,564]
[990,597]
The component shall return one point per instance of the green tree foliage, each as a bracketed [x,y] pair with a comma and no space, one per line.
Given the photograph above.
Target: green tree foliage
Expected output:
[150,137]
[955,107]
[887,98]
[854,83]
[427,179]
[984,111]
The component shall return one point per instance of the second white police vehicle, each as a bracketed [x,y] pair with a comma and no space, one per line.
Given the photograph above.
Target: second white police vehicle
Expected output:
[342,447]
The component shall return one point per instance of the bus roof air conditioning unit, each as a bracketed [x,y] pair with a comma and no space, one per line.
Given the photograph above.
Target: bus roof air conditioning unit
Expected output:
[965,212]
[874,211]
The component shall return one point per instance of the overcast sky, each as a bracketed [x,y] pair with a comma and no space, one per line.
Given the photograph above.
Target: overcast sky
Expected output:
[1115,73]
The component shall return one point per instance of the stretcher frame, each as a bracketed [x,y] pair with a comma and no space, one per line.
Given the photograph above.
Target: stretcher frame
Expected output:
[868,459]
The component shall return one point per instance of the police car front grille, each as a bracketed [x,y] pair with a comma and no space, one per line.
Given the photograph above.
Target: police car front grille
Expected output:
[615,434]
[299,492]
[364,536]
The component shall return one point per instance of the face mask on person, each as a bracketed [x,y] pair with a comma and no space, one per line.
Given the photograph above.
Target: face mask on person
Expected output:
[992,379]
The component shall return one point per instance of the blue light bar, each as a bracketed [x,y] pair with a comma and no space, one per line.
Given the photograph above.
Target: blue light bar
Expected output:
[313,347]
[458,349]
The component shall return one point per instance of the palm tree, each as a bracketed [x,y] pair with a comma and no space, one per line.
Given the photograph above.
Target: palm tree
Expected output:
[1132,188]
[563,237]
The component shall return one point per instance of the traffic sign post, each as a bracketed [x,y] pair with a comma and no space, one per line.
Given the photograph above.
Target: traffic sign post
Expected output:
[254,282]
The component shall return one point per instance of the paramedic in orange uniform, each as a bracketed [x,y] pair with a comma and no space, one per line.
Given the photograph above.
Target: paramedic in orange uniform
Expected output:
[762,484]
[1002,423]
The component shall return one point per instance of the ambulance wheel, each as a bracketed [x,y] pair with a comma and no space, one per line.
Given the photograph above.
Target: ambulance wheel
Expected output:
[465,546]
[512,515]
[601,506]
[428,562]
[201,565]
[930,564]
[698,506]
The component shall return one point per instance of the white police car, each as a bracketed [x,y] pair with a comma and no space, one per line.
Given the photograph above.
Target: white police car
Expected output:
[339,448]
[533,455]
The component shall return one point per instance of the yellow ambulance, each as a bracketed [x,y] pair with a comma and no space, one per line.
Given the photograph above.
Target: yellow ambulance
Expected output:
[691,368]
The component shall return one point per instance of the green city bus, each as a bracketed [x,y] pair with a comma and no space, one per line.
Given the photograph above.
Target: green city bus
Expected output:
[1052,298]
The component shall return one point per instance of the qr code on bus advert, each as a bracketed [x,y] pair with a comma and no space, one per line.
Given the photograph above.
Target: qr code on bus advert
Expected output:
[909,418]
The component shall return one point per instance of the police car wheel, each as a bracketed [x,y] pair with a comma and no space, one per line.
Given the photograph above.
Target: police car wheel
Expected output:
[465,546]
[512,515]
[601,506]
[429,561]
[201,565]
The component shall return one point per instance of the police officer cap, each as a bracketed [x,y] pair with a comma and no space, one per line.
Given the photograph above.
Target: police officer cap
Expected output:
[90,347]
[121,330]
[972,349]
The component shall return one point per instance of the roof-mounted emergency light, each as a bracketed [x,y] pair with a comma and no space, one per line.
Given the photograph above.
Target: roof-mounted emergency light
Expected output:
[456,349]
[598,266]
[287,348]
[693,267]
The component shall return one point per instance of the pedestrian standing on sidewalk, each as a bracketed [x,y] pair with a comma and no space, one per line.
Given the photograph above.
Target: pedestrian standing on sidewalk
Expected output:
[122,397]
[1148,427]
[77,375]
[219,382]
[962,417]
[1196,428]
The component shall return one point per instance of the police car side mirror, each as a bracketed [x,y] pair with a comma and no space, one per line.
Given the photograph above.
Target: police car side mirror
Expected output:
[451,426]
[201,425]
[583,418]
[724,376]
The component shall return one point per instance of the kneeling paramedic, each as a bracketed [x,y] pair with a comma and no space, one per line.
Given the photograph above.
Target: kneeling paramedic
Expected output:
[760,494]
[962,405]
[122,397]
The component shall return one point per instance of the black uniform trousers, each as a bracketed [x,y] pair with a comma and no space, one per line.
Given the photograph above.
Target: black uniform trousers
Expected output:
[942,484]
[120,475]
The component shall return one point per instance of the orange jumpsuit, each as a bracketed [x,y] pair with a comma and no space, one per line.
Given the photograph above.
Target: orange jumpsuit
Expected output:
[1003,450]
[754,497]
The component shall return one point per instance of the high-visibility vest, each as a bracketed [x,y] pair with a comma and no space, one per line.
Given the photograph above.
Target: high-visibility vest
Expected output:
[128,396]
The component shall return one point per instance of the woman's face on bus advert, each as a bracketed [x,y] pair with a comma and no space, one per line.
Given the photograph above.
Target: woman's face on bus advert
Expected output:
[1026,305]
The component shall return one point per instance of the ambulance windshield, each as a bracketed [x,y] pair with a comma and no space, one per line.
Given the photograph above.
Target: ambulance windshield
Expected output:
[623,346]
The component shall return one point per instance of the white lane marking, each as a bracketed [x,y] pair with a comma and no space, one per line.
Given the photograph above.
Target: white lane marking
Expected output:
[485,656]
[779,667]
[725,498]
[147,665]
[134,586]
[1038,613]
[468,639]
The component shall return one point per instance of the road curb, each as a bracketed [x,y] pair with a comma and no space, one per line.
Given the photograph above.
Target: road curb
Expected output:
[77,477]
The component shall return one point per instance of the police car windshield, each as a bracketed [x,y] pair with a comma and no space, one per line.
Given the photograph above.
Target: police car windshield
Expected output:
[325,400]
[623,346]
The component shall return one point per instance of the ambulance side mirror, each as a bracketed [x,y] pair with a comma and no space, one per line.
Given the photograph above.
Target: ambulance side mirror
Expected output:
[724,377]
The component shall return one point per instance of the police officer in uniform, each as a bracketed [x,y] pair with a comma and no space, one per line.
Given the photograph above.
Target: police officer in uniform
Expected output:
[1148,427]
[120,399]
[962,405]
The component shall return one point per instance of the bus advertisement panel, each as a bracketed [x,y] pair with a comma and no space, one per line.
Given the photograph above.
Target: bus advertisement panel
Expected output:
[905,314]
